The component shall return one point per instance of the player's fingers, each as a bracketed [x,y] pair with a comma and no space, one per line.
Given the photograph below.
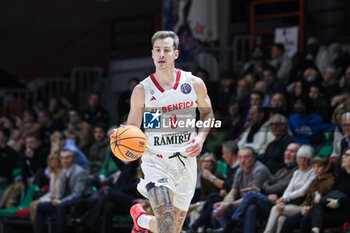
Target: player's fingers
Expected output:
[194,153]
[192,148]
[113,131]
[191,141]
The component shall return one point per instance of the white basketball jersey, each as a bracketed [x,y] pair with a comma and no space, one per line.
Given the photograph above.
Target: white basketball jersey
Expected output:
[177,108]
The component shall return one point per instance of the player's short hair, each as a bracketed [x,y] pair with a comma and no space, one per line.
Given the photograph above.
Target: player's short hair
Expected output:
[165,34]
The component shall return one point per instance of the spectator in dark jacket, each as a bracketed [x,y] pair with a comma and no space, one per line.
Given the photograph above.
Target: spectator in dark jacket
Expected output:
[95,112]
[34,158]
[98,149]
[8,157]
[273,157]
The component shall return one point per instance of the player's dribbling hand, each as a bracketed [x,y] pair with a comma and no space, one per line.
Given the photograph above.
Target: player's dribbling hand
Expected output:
[195,148]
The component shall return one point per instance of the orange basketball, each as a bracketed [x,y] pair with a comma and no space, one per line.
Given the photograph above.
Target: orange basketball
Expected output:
[128,143]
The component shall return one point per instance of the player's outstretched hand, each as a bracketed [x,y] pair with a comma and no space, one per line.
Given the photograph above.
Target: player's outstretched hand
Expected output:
[195,147]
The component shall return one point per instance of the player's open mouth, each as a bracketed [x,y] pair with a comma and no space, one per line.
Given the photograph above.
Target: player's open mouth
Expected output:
[161,62]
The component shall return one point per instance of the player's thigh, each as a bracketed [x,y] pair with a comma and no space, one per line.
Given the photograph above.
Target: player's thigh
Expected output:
[180,216]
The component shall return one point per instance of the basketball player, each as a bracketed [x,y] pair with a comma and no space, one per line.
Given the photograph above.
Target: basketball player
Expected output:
[169,162]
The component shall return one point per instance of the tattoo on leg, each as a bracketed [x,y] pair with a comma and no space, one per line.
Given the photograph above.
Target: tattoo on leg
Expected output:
[163,209]
[165,195]
[180,220]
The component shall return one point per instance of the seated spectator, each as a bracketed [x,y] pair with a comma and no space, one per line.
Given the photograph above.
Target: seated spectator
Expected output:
[256,98]
[54,174]
[215,139]
[261,87]
[257,136]
[330,81]
[300,90]
[72,139]
[290,202]
[124,99]
[229,154]
[273,156]
[257,203]
[337,135]
[57,110]
[48,125]
[85,133]
[226,88]
[9,124]
[306,127]
[98,149]
[273,84]
[242,94]
[255,56]
[312,75]
[278,104]
[345,123]
[8,158]
[333,208]
[251,173]
[25,126]
[206,176]
[344,82]
[234,120]
[74,184]
[342,98]
[320,185]
[95,112]
[320,105]
[34,158]
[57,141]
[281,61]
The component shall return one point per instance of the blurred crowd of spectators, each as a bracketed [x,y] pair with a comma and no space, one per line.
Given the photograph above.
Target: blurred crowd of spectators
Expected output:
[281,156]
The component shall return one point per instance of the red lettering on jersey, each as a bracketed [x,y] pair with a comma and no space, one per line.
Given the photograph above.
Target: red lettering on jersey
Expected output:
[177,106]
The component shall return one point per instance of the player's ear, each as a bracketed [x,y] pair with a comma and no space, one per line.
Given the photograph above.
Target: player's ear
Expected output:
[176,54]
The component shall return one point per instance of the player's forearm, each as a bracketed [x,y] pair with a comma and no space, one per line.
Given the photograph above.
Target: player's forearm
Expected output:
[203,131]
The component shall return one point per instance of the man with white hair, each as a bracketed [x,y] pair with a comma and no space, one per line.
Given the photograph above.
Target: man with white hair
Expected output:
[273,157]
[345,124]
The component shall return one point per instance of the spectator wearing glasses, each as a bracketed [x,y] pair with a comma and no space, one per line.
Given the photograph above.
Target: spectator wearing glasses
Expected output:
[273,157]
